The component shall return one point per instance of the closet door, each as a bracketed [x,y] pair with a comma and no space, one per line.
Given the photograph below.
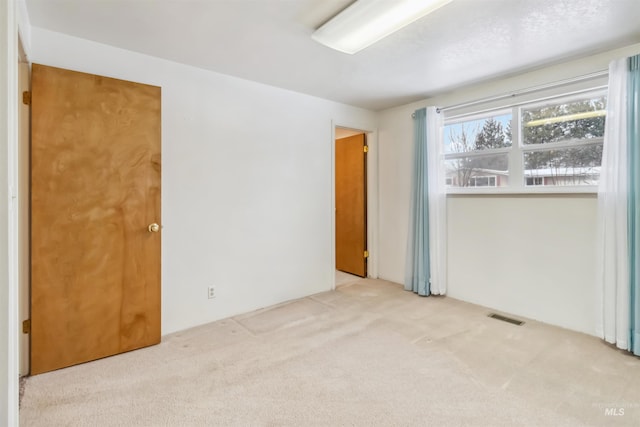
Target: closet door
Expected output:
[95,210]
[351,205]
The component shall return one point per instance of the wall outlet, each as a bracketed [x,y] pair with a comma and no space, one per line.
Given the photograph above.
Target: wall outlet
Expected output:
[211,292]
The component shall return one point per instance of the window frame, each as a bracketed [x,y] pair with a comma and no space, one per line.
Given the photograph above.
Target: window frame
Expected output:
[515,153]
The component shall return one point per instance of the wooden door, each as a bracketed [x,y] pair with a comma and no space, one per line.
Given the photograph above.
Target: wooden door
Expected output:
[95,189]
[351,202]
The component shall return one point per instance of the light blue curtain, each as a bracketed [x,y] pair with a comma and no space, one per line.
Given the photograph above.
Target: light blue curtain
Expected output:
[633,218]
[418,269]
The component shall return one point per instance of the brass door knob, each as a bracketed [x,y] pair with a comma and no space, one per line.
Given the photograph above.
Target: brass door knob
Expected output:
[153,228]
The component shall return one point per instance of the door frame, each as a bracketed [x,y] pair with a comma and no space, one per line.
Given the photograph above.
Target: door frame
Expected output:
[24,215]
[371,196]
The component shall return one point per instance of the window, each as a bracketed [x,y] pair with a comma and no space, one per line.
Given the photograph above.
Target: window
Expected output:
[482,181]
[535,180]
[556,143]
[574,128]
[476,151]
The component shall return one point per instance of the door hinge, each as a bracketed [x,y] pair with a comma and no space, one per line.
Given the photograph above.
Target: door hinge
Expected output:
[366,148]
[26,98]
[366,254]
[26,326]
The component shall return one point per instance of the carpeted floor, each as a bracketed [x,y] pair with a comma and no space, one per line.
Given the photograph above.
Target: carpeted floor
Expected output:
[367,354]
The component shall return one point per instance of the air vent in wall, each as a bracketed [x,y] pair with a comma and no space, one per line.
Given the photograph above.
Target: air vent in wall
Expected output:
[506,319]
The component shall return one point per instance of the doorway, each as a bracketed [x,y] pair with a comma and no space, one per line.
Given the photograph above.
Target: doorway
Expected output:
[350,204]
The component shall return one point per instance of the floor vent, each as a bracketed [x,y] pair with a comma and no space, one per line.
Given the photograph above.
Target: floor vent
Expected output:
[506,319]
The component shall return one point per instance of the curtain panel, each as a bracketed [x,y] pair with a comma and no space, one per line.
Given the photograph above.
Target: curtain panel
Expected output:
[618,267]
[426,266]
[633,200]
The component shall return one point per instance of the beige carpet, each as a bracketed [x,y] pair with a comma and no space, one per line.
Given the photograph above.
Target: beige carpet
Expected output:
[343,278]
[367,354]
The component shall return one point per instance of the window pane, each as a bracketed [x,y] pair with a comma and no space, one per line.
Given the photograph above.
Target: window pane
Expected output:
[575,120]
[481,134]
[571,166]
[478,171]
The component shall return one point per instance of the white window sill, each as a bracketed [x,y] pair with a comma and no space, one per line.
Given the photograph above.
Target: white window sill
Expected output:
[585,189]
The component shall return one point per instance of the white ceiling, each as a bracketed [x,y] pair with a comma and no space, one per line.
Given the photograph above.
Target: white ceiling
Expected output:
[269,41]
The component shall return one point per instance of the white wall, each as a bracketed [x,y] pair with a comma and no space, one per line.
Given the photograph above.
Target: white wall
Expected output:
[8,215]
[530,256]
[533,256]
[395,148]
[247,181]
[24,25]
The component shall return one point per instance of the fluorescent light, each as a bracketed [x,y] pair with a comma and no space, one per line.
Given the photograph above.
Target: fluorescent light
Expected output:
[367,21]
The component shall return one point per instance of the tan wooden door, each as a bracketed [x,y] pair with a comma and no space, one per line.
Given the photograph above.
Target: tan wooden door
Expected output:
[351,202]
[95,190]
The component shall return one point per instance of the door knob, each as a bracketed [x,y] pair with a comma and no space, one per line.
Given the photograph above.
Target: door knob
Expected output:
[153,228]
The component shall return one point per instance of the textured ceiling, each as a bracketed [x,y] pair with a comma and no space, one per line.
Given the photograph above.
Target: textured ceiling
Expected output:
[269,41]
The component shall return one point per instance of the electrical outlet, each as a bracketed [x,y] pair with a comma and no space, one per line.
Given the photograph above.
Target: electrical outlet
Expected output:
[211,292]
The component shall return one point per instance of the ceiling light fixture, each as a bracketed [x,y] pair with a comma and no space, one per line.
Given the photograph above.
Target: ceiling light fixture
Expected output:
[367,21]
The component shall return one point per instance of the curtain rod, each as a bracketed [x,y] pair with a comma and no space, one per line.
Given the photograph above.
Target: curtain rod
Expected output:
[526,91]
